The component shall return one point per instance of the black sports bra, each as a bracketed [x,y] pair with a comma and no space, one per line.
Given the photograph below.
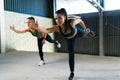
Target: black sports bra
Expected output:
[35,33]
[73,30]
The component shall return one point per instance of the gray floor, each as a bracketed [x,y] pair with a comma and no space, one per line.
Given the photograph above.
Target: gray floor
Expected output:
[20,65]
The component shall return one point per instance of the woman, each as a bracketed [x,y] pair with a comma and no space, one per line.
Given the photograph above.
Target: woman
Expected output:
[69,30]
[41,37]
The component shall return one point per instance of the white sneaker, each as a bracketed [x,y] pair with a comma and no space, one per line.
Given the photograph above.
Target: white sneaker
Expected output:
[41,63]
[58,45]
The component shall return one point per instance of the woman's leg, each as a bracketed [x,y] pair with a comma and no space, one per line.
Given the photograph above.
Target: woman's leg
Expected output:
[49,39]
[70,46]
[81,32]
[40,45]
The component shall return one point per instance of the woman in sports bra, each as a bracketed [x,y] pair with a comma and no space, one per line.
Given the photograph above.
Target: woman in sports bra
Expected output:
[41,37]
[68,28]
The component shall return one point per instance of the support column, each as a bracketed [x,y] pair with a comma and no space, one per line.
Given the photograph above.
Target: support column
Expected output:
[54,7]
[100,9]
[2,27]
[101,44]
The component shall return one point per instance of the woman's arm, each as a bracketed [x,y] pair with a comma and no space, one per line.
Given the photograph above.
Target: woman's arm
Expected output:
[44,38]
[45,34]
[80,22]
[19,31]
[47,30]
[54,28]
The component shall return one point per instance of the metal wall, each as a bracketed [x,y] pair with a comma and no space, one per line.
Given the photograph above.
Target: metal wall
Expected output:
[34,7]
[112,33]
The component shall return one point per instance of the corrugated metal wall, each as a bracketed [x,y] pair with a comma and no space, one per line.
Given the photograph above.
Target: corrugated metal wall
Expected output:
[91,45]
[112,33]
[34,7]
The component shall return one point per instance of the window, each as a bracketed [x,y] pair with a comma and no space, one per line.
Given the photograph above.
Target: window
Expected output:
[112,4]
[76,6]
[83,6]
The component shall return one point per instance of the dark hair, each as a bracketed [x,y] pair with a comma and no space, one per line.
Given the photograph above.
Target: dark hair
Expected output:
[63,12]
[31,18]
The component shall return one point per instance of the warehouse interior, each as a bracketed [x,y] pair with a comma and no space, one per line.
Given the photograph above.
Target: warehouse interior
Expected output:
[97,58]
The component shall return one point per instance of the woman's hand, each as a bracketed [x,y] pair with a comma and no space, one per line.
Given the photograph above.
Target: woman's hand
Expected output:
[12,27]
[43,41]
[36,25]
[85,30]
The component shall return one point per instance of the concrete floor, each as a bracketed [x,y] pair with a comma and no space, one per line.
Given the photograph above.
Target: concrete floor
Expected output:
[20,65]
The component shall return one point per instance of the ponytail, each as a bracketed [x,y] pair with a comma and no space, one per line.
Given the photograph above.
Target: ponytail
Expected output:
[63,12]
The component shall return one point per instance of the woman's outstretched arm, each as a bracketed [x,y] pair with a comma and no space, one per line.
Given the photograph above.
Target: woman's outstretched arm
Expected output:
[18,31]
[54,28]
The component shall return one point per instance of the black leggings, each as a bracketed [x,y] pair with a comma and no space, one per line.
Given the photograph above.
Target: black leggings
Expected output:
[40,45]
[71,45]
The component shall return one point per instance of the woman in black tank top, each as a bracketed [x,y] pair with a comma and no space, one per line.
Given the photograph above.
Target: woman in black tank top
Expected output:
[69,30]
[41,37]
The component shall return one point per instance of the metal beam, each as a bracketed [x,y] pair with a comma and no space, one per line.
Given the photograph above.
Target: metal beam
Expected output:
[100,9]
[101,44]
[2,27]
[96,5]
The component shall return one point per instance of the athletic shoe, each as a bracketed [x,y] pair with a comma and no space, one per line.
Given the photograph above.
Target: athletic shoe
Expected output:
[88,30]
[41,63]
[71,76]
[58,45]
[90,33]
